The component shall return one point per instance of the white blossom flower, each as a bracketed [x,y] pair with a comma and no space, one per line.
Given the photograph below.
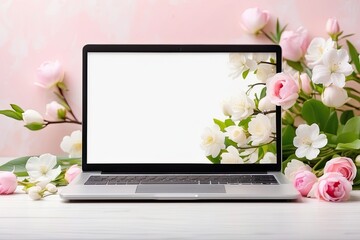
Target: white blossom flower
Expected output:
[293,167]
[213,141]
[240,106]
[241,62]
[316,50]
[72,144]
[308,141]
[42,166]
[31,116]
[269,157]
[35,193]
[334,69]
[236,134]
[250,155]
[259,129]
[265,71]
[231,156]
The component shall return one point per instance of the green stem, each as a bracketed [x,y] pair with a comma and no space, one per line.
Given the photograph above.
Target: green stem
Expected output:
[353,96]
[67,103]
[268,36]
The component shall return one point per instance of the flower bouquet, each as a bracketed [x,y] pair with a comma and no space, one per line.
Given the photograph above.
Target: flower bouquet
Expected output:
[41,175]
[319,92]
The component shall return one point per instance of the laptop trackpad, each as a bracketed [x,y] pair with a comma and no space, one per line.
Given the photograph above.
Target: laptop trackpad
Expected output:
[179,188]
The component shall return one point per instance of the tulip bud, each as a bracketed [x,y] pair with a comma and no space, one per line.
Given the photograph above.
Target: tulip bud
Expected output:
[334,96]
[357,160]
[8,183]
[332,26]
[55,111]
[305,83]
[32,116]
[253,19]
[49,74]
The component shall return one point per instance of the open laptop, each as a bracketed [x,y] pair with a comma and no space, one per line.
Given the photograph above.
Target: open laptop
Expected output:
[172,122]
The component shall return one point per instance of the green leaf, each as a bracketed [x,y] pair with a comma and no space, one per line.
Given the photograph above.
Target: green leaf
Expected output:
[354,55]
[12,114]
[353,125]
[332,124]
[346,115]
[221,124]
[332,138]
[347,137]
[351,145]
[288,135]
[229,122]
[263,93]
[217,159]
[314,111]
[61,113]
[245,123]
[245,73]
[229,142]
[17,108]
[295,65]
[18,165]
[34,126]
[62,86]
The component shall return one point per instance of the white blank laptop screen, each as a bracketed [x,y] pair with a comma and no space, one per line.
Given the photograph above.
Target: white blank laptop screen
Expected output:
[155,107]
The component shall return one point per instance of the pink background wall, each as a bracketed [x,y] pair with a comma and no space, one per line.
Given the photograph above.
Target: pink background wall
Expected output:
[35,31]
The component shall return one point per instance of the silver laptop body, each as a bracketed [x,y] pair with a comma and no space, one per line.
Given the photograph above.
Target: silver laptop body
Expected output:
[162,122]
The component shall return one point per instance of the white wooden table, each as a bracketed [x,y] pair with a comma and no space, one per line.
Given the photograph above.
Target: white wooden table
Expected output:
[51,218]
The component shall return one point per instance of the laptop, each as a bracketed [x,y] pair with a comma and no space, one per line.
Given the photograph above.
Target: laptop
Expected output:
[175,122]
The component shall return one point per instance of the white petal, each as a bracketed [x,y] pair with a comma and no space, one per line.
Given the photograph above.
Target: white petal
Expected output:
[32,164]
[48,160]
[52,174]
[320,141]
[34,174]
[321,74]
[345,68]
[330,57]
[338,79]
[301,151]
[66,144]
[312,153]
[76,135]
[342,55]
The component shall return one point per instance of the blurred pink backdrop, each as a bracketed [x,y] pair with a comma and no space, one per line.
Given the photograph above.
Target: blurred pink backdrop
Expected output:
[35,31]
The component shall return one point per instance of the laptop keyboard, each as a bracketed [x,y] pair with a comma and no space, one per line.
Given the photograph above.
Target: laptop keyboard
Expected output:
[257,179]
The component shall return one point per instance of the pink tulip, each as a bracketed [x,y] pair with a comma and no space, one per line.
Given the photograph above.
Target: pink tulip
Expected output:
[72,173]
[282,90]
[305,83]
[294,44]
[304,181]
[343,165]
[253,19]
[333,187]
[332,26]
[8,183]
[49,74]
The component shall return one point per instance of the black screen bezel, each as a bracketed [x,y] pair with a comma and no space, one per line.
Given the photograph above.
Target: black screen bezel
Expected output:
[175,167]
